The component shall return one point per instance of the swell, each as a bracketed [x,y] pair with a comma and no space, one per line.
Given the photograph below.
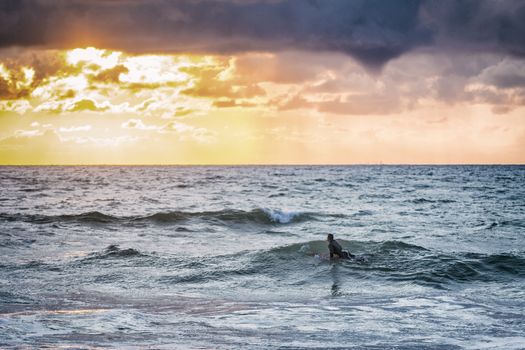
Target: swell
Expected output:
[423,200]
[395,261]
[389,261]
[257,216]
[440,270]
[113,251]
[88,217]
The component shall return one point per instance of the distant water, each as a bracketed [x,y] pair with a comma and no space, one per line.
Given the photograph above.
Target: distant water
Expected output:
[218,257]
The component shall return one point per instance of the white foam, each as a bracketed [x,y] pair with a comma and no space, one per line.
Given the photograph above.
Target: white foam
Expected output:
[280,216]
[304,248]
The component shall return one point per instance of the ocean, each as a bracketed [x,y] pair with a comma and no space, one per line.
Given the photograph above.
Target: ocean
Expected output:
[227,257]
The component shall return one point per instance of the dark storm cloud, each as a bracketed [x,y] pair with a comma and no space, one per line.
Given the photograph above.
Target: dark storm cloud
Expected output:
[486,25]
[373,31]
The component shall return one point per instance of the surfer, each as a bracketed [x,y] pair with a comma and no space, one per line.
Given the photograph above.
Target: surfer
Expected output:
[336,249]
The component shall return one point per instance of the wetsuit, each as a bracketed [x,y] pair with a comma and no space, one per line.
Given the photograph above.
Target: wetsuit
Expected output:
[335,248]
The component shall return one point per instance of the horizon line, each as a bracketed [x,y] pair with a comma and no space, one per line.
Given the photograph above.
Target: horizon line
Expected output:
[255,164]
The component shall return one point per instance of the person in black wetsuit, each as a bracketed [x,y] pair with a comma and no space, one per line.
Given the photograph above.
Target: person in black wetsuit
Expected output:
[336,249]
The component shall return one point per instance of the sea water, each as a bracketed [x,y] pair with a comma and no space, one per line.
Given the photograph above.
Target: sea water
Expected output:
[222,257]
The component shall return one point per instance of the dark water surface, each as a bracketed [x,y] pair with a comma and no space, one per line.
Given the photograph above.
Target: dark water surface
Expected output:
[218,257]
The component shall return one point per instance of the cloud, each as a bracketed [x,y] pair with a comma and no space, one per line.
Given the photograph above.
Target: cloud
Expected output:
[86,105]
[16,106]
[209,82]
[227,103]
[16,83]
[477,25]
[362,105]
[111,75]
[183,131]
[326,83]
[138,124]
[285,67]
[22,71]
[188,132]
[476,79]
[75,128]
[372,31]
[406,84]
[23,137]
[81,105]
[506,74]
[28,133]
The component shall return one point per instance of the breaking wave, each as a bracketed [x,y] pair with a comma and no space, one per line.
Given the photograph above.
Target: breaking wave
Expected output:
[258,216]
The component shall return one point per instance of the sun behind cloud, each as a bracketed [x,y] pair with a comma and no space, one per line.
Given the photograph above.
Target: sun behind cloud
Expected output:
[102,106]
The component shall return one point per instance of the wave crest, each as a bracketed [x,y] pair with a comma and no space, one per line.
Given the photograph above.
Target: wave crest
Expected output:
[113,251]
[256,216]
[399,261]
[259,216]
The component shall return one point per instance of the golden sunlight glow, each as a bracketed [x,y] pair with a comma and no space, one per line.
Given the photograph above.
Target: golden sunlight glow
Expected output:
[61,87]
[102,58]
[29,74]
[154,69]
[140,69]
[92,106]
[4,73]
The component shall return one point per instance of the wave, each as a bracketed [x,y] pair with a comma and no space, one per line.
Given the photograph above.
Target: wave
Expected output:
[393,262]
[113,251]
[375,196]
[363,213]
[426,200]
[370,248]
[394,246]
[441,270]
[490,225]
[16,242]
[89,217]
[398,261]
[258,216]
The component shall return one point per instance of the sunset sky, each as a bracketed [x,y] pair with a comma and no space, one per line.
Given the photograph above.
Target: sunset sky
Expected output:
[262,81]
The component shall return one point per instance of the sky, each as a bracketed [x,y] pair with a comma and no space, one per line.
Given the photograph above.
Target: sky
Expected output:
[262,82]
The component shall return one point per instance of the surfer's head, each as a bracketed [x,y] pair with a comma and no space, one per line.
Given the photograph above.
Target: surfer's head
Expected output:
[330,237]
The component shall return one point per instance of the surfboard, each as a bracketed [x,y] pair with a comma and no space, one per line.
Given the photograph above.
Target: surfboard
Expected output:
[322,256]
[355,258]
